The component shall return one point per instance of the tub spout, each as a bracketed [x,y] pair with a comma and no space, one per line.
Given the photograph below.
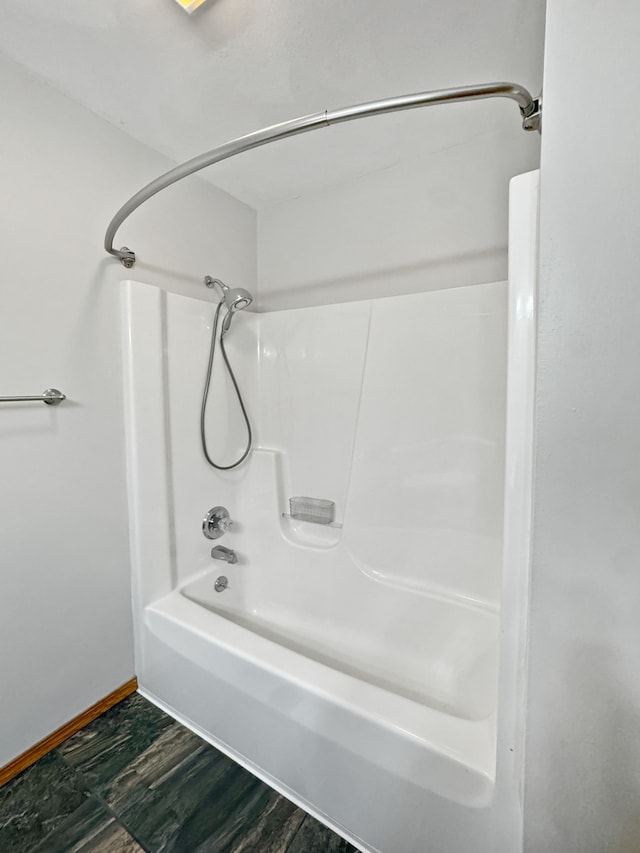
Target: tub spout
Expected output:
[226,554]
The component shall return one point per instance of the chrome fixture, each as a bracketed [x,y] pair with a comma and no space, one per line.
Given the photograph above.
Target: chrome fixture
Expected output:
[52,397]
[221,584]
[316,510]
[530,110]
[216,522]
[226,554]
[235,299]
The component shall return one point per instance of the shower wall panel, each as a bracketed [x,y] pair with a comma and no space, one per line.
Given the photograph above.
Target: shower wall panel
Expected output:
[426,498]
[395,408]
[311,370]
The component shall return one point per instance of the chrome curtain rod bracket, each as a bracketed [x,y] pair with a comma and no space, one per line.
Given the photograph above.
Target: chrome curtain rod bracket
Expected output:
[530,109]
[52,397]
[532,117]
[127,257]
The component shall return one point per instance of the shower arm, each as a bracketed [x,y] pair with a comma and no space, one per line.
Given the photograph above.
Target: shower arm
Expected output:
[530,109]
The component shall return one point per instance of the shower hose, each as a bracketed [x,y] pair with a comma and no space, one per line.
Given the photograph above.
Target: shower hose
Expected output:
[205,396]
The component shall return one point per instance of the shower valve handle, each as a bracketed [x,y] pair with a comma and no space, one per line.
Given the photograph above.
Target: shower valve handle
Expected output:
[216,522]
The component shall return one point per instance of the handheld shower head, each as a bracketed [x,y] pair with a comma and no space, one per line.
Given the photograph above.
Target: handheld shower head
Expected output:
[235,298]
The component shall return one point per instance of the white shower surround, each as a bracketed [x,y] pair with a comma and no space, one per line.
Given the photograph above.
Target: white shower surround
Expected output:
[354,667]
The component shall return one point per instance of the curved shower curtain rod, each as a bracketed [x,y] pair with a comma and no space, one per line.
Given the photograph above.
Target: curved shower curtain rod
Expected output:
[530,109]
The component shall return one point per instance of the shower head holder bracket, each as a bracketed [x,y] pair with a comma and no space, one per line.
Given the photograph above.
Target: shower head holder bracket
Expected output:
[211,282]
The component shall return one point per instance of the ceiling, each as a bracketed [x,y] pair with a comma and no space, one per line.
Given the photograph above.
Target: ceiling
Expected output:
[183,84]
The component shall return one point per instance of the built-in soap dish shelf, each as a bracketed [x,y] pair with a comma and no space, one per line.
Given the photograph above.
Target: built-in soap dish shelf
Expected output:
[311,522]
[332,524]
[313,510]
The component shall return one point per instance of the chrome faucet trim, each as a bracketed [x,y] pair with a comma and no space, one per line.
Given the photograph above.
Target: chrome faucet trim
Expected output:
[216,522]
[226,554]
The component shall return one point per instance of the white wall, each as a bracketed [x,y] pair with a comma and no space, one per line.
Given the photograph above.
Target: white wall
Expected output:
[583,752]
[183,84]
[431,222]
[65,621]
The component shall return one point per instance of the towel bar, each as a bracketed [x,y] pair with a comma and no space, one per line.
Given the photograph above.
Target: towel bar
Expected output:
[52,397]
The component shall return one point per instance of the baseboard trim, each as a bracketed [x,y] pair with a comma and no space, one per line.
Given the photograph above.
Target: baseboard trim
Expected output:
[60,735]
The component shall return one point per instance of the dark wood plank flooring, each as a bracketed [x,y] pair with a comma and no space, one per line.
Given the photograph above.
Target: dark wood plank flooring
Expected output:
[134,780]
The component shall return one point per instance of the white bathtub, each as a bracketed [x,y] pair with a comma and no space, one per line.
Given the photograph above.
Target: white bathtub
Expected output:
[445,717]
[416,666]
[435,653]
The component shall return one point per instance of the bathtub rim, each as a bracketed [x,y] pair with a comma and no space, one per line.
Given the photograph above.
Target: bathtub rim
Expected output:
[466,747]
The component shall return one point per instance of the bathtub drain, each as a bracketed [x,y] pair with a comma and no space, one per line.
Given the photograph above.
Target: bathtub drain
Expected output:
[221,584]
